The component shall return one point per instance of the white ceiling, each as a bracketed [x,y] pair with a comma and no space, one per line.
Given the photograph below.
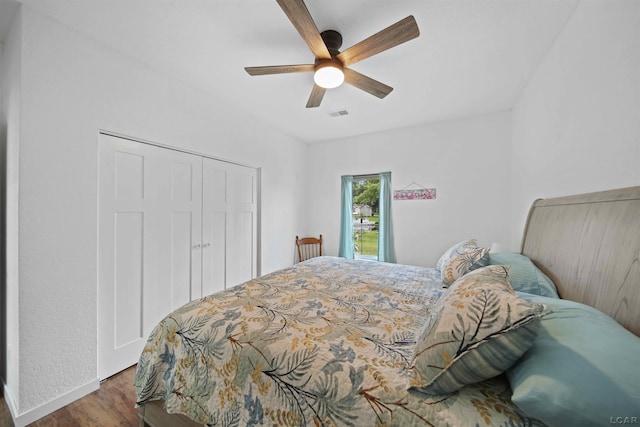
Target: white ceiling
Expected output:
[472,57]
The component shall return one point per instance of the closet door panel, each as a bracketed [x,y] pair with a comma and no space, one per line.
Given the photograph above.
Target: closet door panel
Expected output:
[123,247]
[128,211]
[241,187]
[214,226]
[157,272]
[129,233]
[240,261]
[214,256]
[184,206]
[129,175]
[182,254]
[229,228]
[150,232]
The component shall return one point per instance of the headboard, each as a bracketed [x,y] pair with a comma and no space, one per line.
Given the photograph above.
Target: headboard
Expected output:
[589,245]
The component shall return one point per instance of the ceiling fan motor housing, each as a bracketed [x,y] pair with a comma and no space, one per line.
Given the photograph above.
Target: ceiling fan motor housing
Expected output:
[333,40]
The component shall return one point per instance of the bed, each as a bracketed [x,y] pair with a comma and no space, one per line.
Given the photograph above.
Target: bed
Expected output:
[483,339]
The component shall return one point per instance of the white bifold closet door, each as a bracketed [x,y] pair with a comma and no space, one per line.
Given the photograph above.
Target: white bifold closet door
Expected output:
[173,227]
[229,224]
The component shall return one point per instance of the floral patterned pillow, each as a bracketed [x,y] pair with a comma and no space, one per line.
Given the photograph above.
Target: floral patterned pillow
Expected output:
[477,330]
[458,259]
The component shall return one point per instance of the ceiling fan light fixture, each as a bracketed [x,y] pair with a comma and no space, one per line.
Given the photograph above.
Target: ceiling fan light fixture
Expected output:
[328,74]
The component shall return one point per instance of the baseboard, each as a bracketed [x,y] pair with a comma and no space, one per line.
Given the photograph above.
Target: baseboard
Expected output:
[35,414]
[9,401]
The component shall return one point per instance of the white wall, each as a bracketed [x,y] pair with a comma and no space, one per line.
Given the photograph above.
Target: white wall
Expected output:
[576,125]
[3,174]
[73,87]
[10,88]
[467,161]
[575,128]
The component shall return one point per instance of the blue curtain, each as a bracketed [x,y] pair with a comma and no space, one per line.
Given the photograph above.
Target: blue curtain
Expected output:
[386,252]
[346,222]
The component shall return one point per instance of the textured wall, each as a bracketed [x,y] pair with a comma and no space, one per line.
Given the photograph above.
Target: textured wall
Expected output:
[576,126]
[73,88]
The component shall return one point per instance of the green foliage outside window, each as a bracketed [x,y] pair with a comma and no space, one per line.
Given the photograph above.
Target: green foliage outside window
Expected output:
[366,193]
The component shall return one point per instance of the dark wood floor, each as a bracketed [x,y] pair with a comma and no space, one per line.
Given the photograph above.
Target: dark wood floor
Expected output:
[111,405]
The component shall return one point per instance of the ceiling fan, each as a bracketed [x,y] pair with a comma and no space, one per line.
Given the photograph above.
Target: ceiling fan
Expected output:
[330,66]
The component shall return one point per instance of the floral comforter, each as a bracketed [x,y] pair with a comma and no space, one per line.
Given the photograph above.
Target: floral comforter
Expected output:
[327,342]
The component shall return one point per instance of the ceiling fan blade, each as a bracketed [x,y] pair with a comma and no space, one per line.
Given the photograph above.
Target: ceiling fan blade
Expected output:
[300,17]
[317,93]
[278,69]
[398,33]
[366,84]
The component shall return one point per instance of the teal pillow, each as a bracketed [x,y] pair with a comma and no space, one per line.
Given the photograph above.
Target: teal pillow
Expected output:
[524,276]
[583,368]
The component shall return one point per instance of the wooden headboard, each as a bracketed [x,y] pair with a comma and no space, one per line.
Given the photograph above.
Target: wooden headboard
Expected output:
[589,245]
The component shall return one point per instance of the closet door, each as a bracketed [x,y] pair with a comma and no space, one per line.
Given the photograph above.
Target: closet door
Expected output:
[149,244]
[179,207]
[229,225]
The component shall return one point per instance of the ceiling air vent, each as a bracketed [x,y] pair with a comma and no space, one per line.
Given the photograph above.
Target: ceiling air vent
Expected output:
[338,113]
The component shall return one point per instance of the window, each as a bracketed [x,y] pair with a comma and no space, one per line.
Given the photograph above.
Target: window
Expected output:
[366,230]
[366,200]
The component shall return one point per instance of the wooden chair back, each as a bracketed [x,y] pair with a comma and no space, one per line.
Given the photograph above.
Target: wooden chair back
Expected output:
[309,247]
